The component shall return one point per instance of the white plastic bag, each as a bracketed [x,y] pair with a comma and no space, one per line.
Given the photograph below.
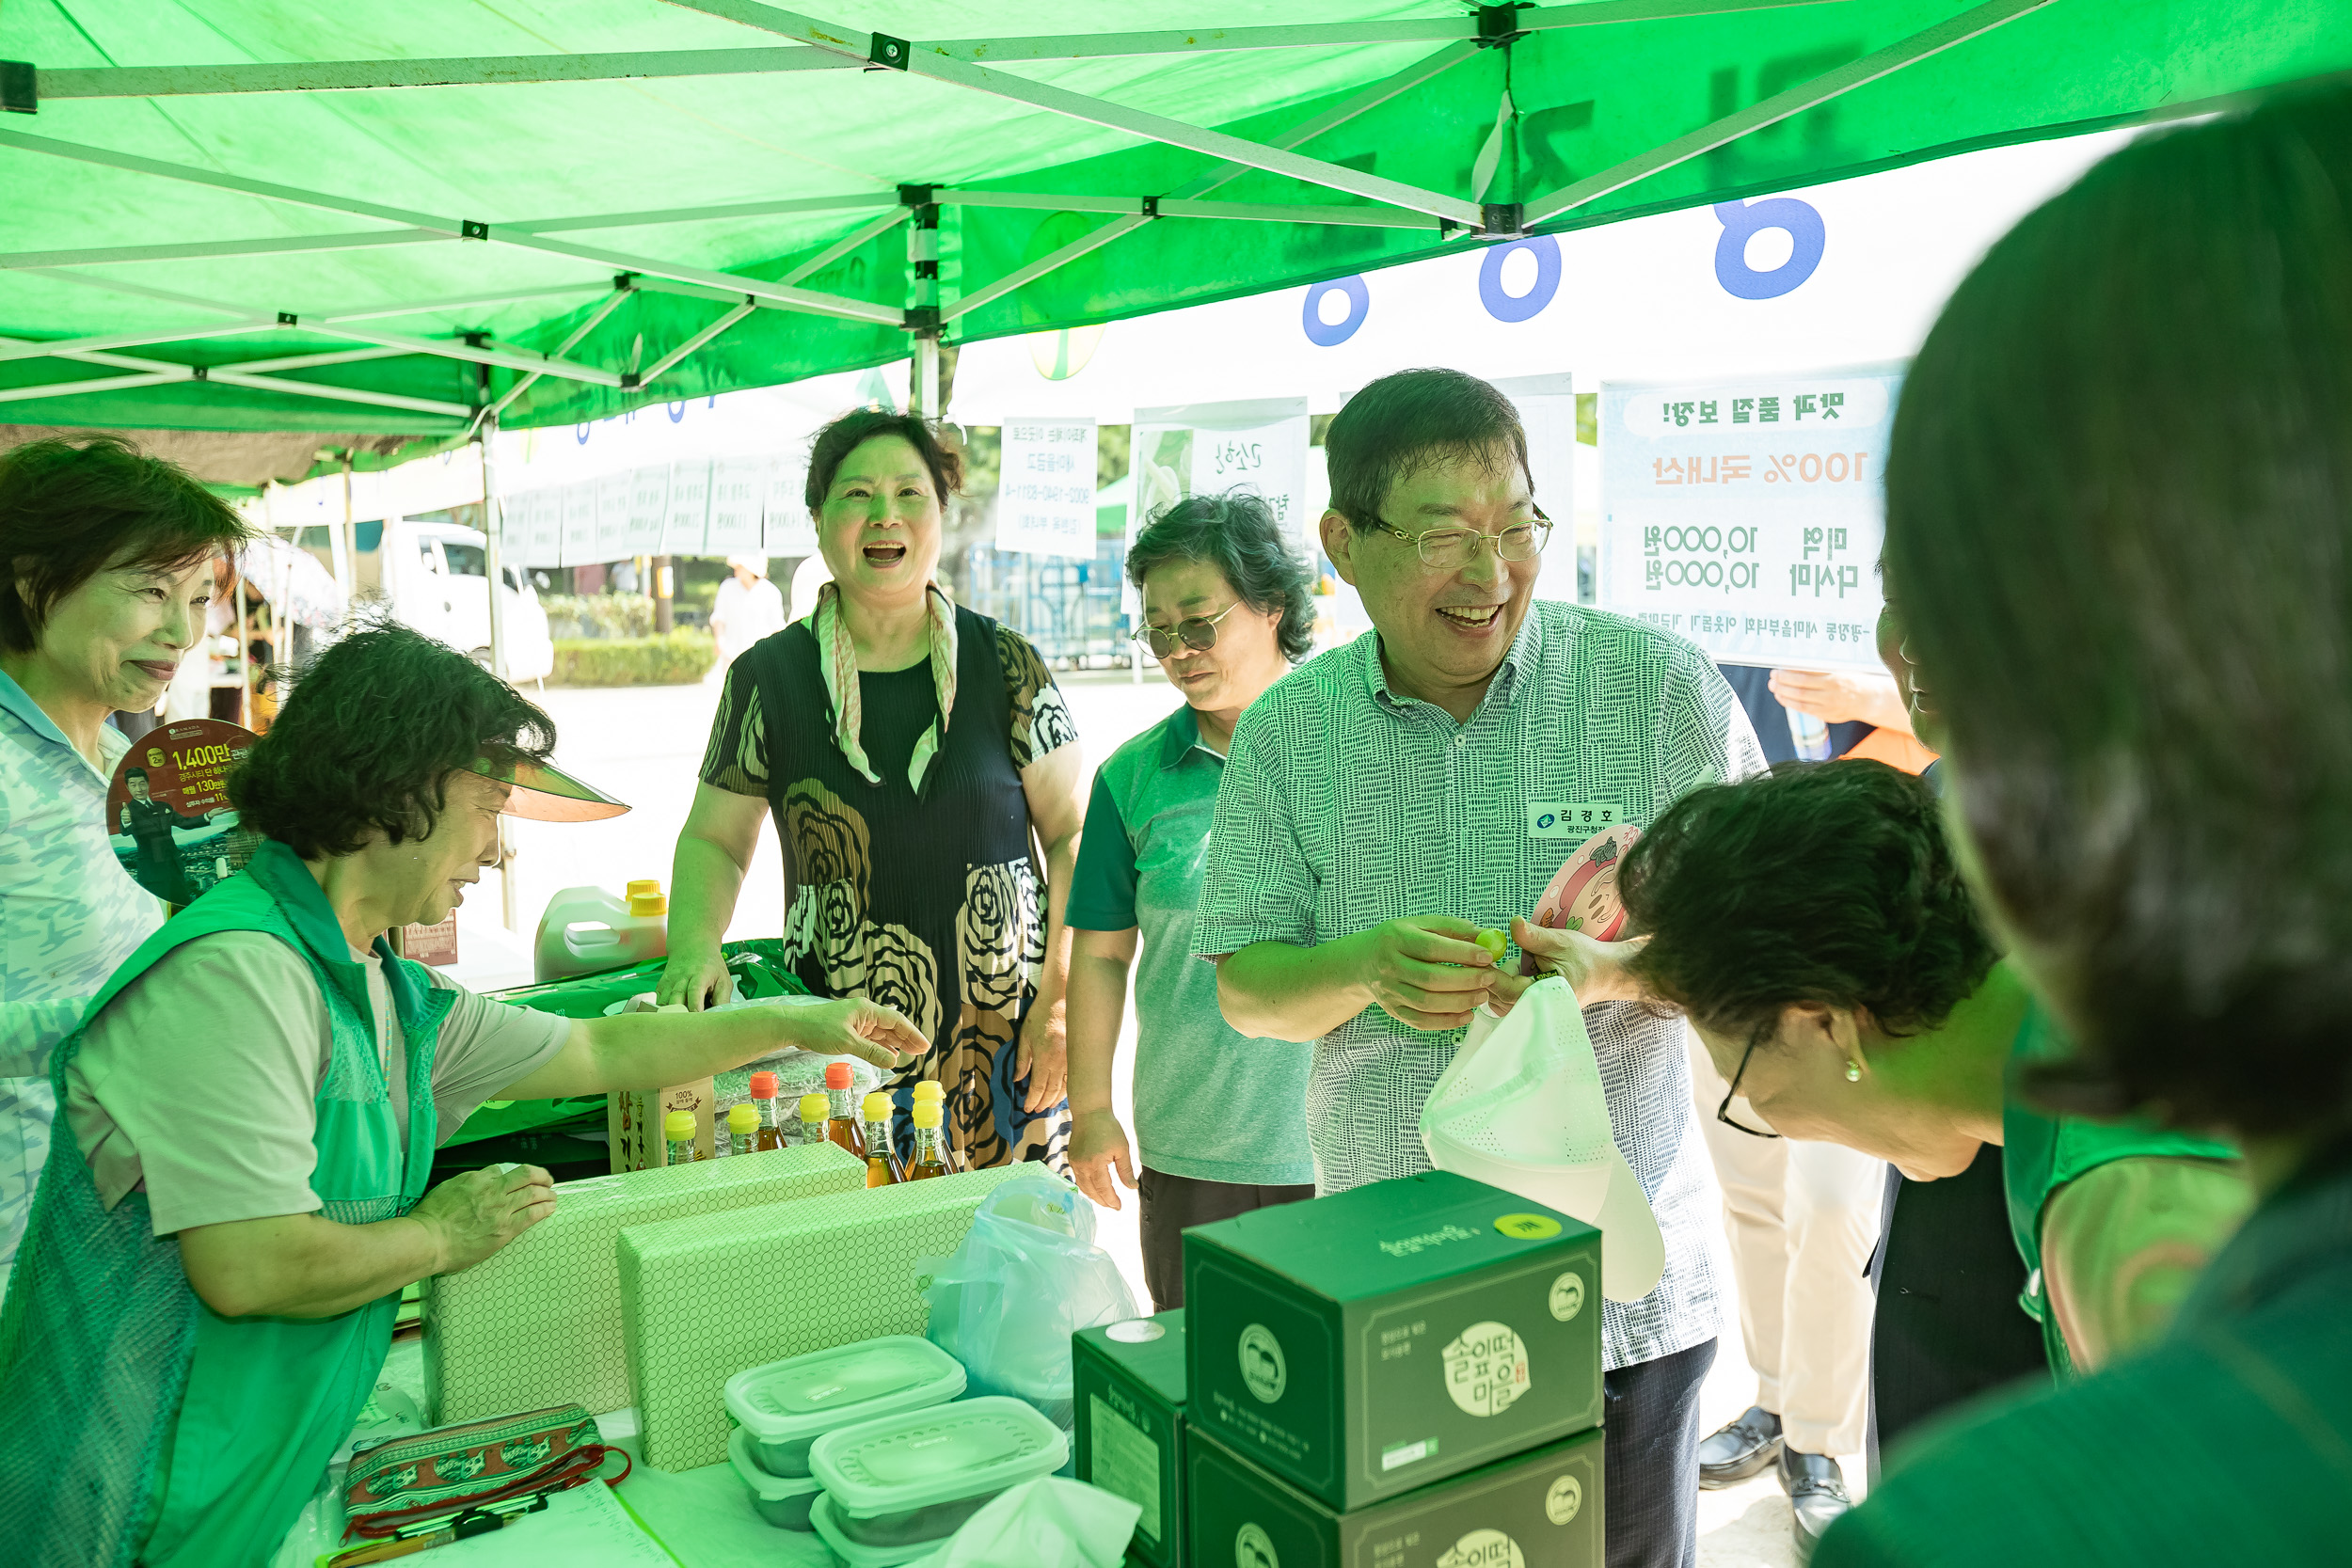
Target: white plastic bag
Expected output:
[1028,1276]
[1051,1523]
[1521,1109]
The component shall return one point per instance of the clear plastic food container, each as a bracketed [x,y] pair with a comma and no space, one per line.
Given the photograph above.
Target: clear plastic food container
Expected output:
[913,1480]
[785,1405]
[783,1501]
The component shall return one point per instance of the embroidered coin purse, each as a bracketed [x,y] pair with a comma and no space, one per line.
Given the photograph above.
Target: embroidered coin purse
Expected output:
[396,1480]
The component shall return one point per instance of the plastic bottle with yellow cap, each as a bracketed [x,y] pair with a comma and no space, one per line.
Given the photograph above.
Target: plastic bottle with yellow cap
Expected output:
[928,1157]
[742,1128]
[678,1131]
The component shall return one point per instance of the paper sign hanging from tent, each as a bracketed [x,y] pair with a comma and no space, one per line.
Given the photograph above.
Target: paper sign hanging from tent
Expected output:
[1746,514]
[541,525]
[1045,499]
[1208,448]
[648,508]
[579,523]
[786,530]
[690,508]
[738,491]
[612,499]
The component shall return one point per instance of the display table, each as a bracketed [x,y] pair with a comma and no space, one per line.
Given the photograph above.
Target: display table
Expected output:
[704,1518]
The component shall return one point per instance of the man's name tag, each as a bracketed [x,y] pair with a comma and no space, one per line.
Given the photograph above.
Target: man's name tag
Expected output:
[1577,819]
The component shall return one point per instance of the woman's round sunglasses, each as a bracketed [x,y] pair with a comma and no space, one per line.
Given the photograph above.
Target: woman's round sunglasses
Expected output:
[1196,632]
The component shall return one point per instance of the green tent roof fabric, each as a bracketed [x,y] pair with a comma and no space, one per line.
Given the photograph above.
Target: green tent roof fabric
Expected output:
[394,208]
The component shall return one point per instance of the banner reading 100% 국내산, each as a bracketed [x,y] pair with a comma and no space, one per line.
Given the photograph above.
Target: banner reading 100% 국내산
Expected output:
[1746,514]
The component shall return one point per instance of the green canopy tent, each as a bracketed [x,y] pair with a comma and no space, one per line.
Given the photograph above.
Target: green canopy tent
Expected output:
[251,214]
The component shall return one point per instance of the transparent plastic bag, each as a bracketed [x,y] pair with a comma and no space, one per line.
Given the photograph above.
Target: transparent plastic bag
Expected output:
[1028,1276]
[1521,1108]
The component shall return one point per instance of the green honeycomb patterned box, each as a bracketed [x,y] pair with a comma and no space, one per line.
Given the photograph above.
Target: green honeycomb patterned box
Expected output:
[539,1322]
[704,1298]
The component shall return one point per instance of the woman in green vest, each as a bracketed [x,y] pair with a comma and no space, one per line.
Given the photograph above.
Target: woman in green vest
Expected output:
[207,1289]
[1812,923]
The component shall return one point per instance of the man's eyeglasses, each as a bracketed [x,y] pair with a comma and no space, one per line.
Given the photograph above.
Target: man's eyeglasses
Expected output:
[1723,1112]
[1196,632]
[1449,549]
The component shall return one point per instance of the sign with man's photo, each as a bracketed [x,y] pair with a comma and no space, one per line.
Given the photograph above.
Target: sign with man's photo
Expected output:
[168,814]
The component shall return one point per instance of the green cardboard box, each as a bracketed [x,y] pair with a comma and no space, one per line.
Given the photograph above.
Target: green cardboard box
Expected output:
[1538,1510]
[704,1298]
[1127,1381]
[538,1322]
[1379,1339]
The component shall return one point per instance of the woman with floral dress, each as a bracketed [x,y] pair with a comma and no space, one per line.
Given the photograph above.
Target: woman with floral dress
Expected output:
[924,775]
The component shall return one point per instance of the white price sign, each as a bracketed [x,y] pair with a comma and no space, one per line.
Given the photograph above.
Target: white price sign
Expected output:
[738,490]
[787,528]
[648,505]
[689,514]
[1045,496]
[579,523]
[1746,515]
[613,500]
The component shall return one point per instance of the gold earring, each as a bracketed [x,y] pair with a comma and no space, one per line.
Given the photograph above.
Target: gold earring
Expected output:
[1853,1070]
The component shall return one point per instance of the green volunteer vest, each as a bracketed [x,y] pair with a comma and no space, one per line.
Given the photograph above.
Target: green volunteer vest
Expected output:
[140,1422]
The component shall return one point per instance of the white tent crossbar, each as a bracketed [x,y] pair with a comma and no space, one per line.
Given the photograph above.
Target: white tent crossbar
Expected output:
[480,71]
[1096,111]
[1927,42]
[804,299]
[670,360]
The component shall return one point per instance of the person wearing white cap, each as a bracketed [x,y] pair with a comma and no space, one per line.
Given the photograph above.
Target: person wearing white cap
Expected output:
[217,1255]
[748,607]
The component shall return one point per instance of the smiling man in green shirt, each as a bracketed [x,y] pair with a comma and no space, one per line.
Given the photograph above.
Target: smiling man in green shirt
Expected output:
[1220,1118]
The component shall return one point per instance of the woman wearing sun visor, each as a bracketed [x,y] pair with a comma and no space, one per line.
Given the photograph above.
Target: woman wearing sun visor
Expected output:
[207,1289]
[921,769]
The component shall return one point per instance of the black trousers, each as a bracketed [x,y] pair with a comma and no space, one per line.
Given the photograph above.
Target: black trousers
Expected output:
[1651,1454]
[1174,1204]
[1948,1326]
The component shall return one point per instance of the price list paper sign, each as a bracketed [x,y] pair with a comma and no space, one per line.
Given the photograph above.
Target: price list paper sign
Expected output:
[1045,498]
[1746,515]
[1208,448]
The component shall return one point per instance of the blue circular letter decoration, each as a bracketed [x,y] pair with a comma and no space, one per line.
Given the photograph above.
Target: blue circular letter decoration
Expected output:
[1742,219]
[1501,306]
[1325,334]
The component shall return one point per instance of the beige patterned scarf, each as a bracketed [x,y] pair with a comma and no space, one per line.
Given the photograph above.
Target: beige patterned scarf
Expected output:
[837,657]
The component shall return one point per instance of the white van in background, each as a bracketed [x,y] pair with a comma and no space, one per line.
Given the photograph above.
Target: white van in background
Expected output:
[437,576]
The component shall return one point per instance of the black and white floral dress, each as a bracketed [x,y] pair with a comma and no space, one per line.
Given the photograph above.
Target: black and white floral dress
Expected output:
[925,898]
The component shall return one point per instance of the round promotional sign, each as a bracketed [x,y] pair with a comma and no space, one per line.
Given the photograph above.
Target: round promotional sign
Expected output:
[167,810]
[1583,896]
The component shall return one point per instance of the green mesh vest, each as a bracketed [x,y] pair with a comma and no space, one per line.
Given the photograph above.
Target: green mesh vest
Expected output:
[141,1423]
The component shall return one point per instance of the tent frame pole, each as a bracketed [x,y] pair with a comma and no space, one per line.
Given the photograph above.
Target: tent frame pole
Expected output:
[1924,44]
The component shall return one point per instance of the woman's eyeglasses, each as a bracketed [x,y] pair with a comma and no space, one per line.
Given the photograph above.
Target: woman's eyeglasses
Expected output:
[1196,632]
[1449,549]
[1723,1112]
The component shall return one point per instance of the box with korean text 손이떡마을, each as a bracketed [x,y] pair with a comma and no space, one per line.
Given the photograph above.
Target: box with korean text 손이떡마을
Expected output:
[1382,1338]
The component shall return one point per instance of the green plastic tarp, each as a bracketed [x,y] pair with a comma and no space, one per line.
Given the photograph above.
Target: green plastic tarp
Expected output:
[409,216]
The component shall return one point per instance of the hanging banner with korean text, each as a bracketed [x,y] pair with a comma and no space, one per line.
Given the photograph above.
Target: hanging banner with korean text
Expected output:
[787,528]
[538,516]
[690,507]
[1045,496]
[1206,448]
[613,504]
[648,508]
[1746,514]
[738,491]
[580,523]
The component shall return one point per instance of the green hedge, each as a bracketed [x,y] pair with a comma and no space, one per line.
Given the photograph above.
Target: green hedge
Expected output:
[573,615]
[678,659]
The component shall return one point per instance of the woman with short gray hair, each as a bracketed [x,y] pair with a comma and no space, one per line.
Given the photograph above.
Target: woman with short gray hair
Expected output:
[1220,1118]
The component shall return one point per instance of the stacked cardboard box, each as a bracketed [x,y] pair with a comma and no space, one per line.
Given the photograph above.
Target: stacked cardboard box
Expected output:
[1128,1382]
[539,1322]
[1407,1375]
[704,1298]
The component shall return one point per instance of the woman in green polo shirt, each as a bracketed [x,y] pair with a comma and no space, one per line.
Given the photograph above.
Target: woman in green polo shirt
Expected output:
[1220,1118]
[1813,926]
